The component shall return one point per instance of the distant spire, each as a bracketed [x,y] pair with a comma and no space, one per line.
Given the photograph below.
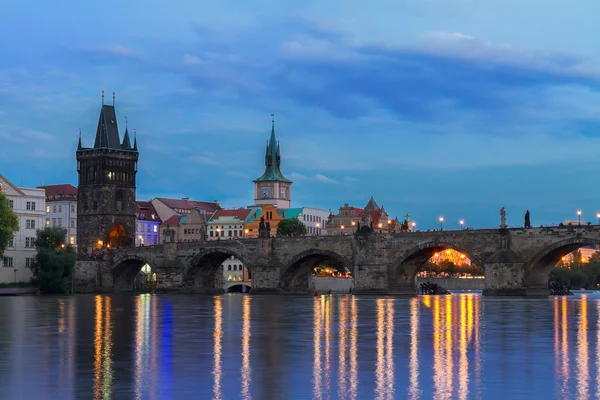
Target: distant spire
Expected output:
[272,121]
[134,139]
[126,142]
[103,97]
[113,99]
[79,144]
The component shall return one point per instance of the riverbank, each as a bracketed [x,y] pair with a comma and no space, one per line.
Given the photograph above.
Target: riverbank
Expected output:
[17,291]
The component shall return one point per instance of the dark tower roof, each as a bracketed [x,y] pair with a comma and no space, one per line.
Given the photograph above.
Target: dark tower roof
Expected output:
[372,205]
[272,161]
[126,142]
[107,133]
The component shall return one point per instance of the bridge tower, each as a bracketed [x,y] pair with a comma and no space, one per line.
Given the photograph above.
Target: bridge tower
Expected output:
[272,187]
[106,192]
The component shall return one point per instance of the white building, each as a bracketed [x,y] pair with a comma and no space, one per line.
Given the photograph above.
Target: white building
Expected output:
[61,209]
[315,219]
[146,225]
[30,207]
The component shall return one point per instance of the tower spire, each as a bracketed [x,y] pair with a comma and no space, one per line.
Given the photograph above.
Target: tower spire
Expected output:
[102,97]
[134,139]
[113,99]
[79,147]
[126,142]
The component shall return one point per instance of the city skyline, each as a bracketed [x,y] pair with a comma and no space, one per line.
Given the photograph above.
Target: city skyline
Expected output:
[448,114]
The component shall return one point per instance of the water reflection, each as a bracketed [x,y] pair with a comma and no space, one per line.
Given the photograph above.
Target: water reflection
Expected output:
[347,347]
[218,337]
[246,371]
[103,369]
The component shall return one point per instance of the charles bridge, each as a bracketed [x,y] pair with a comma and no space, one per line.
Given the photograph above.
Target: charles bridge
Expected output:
[515,261]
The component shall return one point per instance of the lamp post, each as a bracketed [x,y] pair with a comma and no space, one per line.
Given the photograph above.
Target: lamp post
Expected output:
[441,223]
[462,222]
[413,226]
[245,232]
[579,216]
[317,231]
[218,234]
[380,226]
[342,231]
[598,216]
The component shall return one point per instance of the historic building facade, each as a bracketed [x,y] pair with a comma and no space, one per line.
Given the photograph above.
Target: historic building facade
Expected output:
[30,207]
[272,188]
[146,225]
[107,171]
[315,219]
[349,218]
[61,209]
[189,227]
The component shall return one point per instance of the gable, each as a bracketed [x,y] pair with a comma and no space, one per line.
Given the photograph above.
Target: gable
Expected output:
[8,188]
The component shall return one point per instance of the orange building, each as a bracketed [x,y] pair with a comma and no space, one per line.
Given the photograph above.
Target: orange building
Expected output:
[270,213]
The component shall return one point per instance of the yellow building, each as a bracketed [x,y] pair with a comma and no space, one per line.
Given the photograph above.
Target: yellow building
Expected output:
[270,213]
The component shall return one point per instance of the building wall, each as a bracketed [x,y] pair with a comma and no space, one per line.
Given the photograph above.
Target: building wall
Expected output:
[63,214]
[315,220]
[29,205]
[275,197]
[235,271]
[270,214]
[146,232]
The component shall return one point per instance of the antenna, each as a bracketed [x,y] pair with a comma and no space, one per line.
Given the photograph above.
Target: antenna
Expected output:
[113,99]
[126,122]
[103,97]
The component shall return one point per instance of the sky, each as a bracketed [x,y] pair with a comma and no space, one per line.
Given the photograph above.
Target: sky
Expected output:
[450,108]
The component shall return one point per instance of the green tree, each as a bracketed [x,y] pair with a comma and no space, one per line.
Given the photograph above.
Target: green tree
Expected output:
[9,223]
[55,261]
[291,227]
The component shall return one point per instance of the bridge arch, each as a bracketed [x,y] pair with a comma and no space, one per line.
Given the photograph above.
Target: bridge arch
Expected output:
[404,269]
[538,268]
[125,269]
[203,273]
[296,273]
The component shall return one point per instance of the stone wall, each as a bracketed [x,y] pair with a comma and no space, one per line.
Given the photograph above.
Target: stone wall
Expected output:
[453,283]
[325,284]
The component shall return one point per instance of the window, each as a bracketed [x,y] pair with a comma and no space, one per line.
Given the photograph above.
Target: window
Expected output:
[47,209]
[29,261]
[60,222]
[72,222]
[155,228]
[47,222]
[53,222]
[11,243]
[211,233]
[30,205]
[229,268]
[30,224]
[8,262]
[54,208]
[11,203]
[29,242]
[60,208]
[72,208]
[228,276]
[72,239]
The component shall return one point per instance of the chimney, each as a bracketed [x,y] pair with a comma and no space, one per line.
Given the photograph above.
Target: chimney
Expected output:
[217,203]
[185,198]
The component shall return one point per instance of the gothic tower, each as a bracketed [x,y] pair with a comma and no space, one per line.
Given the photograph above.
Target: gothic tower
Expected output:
[272,187]
[106,192]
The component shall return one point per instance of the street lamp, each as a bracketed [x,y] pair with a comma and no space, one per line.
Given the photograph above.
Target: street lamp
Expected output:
[441,223]
[579,216]
[318,225]
[218,234]
[413,226]
[462,222]
[598,216]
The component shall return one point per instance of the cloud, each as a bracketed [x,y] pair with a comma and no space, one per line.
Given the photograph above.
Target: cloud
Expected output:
[206,159]
[295,176]
[188,59]
[324,179]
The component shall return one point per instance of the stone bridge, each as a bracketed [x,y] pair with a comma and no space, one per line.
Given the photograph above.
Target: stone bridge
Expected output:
[516,261]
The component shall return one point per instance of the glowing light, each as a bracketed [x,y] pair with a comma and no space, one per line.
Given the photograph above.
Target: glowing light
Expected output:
[583,372]
[246,371]
[217,337]
[317,368]
[413,368]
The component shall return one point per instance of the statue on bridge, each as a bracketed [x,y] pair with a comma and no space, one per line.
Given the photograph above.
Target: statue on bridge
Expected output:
[264,230]
[503,218]
[527,220]
[268,230]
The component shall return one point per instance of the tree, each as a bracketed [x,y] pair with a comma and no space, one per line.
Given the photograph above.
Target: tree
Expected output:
[55,261]
[9,223]
[291,227]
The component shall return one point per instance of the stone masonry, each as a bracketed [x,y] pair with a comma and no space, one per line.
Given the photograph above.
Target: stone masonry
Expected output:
[516,261]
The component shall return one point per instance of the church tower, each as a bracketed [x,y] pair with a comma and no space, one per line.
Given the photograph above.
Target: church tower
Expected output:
[272,187]
[106,193]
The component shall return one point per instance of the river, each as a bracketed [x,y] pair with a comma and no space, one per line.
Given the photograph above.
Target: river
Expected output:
[462,346]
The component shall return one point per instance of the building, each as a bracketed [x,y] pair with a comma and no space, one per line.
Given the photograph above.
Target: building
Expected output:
[236,274]
[228,224]
[315,219]
[147,224]
[350,218]
[269,213]
[190,227]
[30,207]
[272,188]
[167,208]
[106,192]
[61,209]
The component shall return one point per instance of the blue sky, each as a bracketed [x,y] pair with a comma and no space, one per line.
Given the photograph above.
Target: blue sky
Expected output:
[434,107]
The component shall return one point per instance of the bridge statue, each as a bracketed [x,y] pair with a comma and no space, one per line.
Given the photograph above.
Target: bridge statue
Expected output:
[527,220]
[268,229]
[503,218]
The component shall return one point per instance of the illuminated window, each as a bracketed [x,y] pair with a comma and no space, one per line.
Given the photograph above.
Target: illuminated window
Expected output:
[228,277]
[155,228]
[72,239]
[47,209]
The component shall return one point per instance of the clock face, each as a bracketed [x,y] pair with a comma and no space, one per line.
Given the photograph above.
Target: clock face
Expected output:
[266,192]
[283,193]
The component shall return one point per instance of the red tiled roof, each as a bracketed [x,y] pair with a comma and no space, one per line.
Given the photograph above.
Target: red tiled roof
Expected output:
[174,220]
[186,204]
[61,192]
[242,213]
[144,210]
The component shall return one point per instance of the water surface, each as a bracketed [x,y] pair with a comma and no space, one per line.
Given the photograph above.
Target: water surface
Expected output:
[461,346]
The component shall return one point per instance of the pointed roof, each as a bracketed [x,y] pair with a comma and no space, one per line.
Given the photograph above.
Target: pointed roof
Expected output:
[126,142]
[372,205]
[272,161]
